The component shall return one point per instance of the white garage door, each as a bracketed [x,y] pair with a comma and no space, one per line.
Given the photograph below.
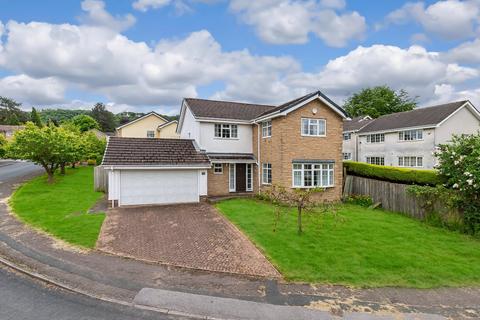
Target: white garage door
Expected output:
[138,187]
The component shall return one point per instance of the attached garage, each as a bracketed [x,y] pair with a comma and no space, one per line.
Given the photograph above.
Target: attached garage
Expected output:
[154,171]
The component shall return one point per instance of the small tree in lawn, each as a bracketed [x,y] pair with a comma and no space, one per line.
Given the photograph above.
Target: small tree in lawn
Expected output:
[300,199]
[43,146]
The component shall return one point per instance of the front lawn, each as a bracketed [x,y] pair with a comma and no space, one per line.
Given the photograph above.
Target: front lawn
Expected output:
[364,248]
[60,209]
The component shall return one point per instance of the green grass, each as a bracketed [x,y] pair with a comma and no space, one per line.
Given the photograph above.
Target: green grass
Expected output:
[361,247]
[60,209]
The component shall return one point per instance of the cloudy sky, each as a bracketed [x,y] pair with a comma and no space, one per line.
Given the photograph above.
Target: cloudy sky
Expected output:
[143,55]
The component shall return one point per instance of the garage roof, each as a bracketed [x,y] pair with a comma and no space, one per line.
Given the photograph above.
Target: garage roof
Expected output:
[152,152]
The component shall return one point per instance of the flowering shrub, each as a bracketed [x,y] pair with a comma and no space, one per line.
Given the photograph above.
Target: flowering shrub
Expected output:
[459,163]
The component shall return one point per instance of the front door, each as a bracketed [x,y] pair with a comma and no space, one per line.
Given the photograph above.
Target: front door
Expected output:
[241,175]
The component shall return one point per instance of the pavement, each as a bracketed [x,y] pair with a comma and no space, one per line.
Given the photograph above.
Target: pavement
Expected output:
[187,235]
[123,280]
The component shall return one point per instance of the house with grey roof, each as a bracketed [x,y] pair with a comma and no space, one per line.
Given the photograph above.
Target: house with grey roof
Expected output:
[408,139]
[230,148]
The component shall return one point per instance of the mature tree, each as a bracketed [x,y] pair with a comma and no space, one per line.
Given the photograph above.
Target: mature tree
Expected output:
[10,112]
[459,163]
[35,118]
[105,118]
[378,101]
[93,147]
[48,146]
[60,115]
[84,122]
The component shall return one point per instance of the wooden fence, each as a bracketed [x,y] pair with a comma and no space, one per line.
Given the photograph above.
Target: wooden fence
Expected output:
[392,196]
[100,179]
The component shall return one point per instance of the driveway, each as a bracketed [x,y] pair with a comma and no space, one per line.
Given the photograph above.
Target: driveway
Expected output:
[188,235]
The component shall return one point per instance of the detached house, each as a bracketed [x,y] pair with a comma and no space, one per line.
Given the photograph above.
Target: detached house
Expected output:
[228,147]
[151,125]
[408,139]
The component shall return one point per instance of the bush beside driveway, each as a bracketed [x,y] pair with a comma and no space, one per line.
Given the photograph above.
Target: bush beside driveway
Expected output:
[362,247]
[60,209]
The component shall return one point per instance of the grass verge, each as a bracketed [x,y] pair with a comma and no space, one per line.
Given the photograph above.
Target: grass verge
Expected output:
[364,248]
[60,209]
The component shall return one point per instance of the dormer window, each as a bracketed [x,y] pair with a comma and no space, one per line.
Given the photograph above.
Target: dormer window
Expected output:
[226,131]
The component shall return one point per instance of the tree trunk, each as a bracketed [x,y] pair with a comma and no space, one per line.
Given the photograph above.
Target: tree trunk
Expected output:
[299,220]
[50,176]
[73,165]
[62,169]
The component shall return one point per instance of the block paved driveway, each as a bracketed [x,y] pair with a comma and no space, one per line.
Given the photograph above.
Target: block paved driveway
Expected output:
[186,235]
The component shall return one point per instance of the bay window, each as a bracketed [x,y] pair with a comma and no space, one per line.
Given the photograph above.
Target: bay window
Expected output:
[311,175]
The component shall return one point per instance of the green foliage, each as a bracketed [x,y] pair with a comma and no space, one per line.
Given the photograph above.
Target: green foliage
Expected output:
[84,122]
[60,209]
[105,119]
[94,148]
[459,164]
[60,115]
[35,118]
[393,174]
[370,248]
[360,200]
[378,101]
[3,146]
[10,112]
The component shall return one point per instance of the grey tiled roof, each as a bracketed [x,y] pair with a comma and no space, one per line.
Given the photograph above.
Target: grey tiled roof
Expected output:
[231,156]
[225,109]
[152,152]
[355,124]
[420,117]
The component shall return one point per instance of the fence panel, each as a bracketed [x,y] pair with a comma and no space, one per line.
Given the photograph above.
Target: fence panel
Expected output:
[100,178]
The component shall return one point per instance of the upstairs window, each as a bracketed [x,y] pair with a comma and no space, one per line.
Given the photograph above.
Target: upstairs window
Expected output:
[410,135]
[267,129]
[314,127]
[376,138]
[347,155]
[150,134]
[347,136]
[226,131]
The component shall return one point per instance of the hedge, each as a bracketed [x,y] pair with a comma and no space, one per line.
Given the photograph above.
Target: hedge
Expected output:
[393,174]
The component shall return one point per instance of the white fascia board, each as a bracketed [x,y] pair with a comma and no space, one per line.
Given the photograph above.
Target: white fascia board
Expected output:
[142,117]
[189,167]
[467,105]
[432,126]
[182,116]
[221,120]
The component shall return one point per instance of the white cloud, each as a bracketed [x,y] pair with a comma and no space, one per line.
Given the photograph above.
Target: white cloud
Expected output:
[334,4]
[468,52]
[26,89]
[98,16]
[145,5]
[292,21]
[450,19]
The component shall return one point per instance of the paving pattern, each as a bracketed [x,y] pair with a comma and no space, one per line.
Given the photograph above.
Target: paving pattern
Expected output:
[188,235]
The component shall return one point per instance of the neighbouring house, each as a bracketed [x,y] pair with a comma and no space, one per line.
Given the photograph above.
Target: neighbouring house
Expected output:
[101,134]
[408,139]
[232,148]
[151,125]
[7,130]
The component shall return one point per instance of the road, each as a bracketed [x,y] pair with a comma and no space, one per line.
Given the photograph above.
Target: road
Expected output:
[22,297]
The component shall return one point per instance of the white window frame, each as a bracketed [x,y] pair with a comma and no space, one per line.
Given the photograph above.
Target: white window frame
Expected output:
[312,123]
[232,177]
[152,132]
[408,161]
[410,135]
[267,129]
[249,177]
[347,155]
[376,138]
[377,160]
[347,136]
[225,131]
[218,168]
[318,170]
[266,173]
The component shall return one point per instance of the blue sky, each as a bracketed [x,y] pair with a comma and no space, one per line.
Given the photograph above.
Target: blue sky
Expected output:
[148,54]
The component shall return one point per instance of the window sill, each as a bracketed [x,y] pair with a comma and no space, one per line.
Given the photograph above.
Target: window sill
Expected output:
[327,187]
[266,184]
[218,173]
[314,136]
[216,138]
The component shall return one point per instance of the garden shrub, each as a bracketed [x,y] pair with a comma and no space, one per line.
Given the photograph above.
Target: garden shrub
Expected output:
[394,174]
[360,199]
